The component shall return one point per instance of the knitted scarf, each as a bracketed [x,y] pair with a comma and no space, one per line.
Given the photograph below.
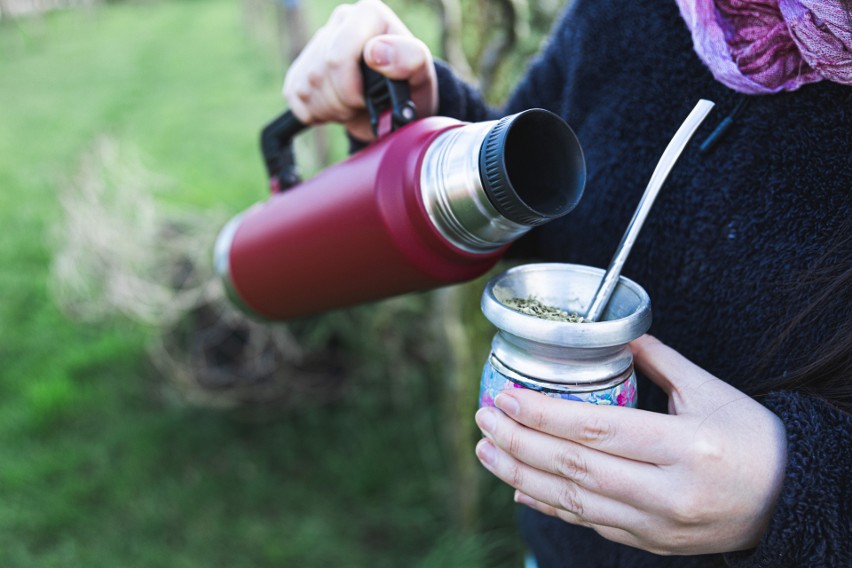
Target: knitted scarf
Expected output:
[767,46]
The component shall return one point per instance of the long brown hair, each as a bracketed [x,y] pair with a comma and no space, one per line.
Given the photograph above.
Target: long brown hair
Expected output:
[826,372]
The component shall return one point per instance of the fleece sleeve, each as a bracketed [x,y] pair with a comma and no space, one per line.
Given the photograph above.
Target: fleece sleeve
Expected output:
[810,525]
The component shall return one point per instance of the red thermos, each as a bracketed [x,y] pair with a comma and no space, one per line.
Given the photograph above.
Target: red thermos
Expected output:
[433,203]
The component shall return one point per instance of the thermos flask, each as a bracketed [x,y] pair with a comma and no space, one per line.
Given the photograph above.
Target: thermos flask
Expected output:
[430,202]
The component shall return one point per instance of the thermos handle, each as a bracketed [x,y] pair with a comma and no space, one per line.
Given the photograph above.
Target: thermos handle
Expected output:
[380,94]
[276,143]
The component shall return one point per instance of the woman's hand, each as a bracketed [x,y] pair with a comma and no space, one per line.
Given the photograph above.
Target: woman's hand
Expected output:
[702,479]
[324,83]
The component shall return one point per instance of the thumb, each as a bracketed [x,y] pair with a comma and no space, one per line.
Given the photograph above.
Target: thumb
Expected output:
[406,58]
[399,57]
[667,368]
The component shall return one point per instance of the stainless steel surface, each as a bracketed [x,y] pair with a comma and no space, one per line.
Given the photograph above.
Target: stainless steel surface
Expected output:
[453,195]
[661,172]
[563,352]
[613,376]
[222,263]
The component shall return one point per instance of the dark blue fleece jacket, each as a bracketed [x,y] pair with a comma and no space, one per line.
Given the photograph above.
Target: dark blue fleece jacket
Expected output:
[721,253]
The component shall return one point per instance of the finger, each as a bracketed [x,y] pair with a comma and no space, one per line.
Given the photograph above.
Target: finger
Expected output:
[359,127]
[312,98]
[342,70]
[299,107]
[614,534]
[325,105]
[315,102]
[549,510]
[675,374]
[346,46]
[381,11]
[297,90]
[399,57]
[627,432]
[311,77]
[298,94]
[611,476]
[524,499]
[333,53]
[583,506]
[408,59]
[659,362]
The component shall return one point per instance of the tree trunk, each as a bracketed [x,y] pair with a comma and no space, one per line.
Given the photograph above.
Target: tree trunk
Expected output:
[450,12]
[461,392]
[513,25]
[292,28]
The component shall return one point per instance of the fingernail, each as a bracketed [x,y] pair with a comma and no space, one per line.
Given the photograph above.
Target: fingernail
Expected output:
[486,452]
[485,419]
[508,404]
[524,499]
[381,53]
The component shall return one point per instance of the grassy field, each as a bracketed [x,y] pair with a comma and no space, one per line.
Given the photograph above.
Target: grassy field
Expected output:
[102,464]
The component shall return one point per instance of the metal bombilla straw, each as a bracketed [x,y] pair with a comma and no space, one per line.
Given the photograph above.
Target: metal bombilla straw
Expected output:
[661,172]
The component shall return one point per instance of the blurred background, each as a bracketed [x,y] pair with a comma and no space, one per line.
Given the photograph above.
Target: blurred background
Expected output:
[143,422]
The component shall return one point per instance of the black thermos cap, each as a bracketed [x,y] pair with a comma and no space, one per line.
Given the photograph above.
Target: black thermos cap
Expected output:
[532,167]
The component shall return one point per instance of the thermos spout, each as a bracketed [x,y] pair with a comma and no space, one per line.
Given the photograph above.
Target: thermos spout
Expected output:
[486,184]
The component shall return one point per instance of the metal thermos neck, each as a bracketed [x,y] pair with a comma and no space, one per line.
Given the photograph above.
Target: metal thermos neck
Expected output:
[453,194]
[486,184]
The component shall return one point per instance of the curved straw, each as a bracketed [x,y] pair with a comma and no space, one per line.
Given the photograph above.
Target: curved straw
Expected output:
[661,172]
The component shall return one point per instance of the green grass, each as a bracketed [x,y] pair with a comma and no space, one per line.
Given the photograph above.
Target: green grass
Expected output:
[101,464]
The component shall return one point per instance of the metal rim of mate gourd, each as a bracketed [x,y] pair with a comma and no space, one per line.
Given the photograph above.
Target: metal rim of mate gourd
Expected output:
[570,287]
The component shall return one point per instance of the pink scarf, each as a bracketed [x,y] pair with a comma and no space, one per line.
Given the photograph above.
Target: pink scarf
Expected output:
[767,46]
